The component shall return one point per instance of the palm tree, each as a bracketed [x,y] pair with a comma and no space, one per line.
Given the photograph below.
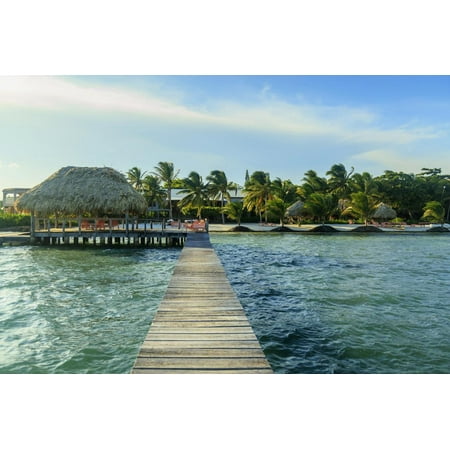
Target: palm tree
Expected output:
[135,177]
[278,208]
[434,211]
[258,193]
[166,173]
[363,205]
[283,195]
[153,191]
[364,183]
[339,180]
[321,205]
[234,211]
[218,187]
[197,193]
[312,183]
[285,190]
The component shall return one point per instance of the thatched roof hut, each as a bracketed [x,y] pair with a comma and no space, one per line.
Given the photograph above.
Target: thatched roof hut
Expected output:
[295,209]
[76,191]
[385,212]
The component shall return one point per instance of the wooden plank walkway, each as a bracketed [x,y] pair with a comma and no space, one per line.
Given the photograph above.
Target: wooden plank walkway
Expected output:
[200,326]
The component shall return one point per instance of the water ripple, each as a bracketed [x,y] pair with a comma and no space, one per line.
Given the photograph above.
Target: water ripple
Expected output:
[344,304]
[78,310]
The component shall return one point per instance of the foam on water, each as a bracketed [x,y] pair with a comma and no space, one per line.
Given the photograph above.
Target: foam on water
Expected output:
[78,310]
[318,303]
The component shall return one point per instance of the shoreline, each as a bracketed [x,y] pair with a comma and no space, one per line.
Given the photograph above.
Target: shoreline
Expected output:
[256,227]
[8,237]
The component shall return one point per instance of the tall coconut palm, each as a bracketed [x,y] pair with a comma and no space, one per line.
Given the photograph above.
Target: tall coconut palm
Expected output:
[283,195]
[218,187]
[234,211]
[434,211]
[258,193]
[339,180]
[278,209]
[154,193]
[321,205]
[312,183]
[166,173]
[362,205]
[197,193]
[284,190]
[135,177]
[364,183]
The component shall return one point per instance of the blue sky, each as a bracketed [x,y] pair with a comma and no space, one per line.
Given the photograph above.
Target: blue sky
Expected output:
[285,125]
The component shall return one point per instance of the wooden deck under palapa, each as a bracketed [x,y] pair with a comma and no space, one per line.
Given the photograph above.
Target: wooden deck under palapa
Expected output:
[200,326]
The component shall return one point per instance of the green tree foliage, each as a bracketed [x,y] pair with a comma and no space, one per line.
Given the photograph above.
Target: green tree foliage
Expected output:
[321,206]
[8,220]
[312,183]
[362,205]
[406,193]
[283,195]
[364,182]
[258,191]
[196,193]
[434,212]
[154,193]
[430,172]
[167,175]
[219,187]
[339,181]
[234,211]
[284,190]
[135,177]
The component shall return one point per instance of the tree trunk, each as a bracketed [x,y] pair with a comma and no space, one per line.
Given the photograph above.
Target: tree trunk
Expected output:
[223,214]
[169,194]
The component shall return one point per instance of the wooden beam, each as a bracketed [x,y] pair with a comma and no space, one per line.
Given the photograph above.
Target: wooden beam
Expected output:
[200,326]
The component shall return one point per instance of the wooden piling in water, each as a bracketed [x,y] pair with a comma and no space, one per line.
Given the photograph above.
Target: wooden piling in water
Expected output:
[200,326]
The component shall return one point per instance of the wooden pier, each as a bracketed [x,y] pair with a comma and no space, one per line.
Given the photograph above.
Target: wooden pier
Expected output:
[148,238]
[14,238]
[135,238]
[200,326]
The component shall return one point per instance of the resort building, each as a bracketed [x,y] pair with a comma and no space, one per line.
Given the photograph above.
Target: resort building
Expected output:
[9,198]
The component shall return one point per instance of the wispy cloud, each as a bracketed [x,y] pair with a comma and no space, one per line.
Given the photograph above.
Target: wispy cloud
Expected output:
[9,165]
[391,159]
[269,114]
[59,94]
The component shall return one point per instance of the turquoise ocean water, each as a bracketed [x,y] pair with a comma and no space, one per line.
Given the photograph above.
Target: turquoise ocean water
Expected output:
[345,304]
[66,310]
[318,303]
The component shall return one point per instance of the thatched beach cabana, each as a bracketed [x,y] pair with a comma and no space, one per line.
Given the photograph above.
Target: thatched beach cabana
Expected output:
[75,191]
[83,191]
[384,212]
[296,209]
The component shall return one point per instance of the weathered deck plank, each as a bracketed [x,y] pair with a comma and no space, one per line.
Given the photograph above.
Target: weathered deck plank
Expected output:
[200,326]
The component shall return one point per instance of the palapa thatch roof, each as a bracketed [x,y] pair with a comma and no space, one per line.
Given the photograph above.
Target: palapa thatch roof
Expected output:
[384,211]
[295,209]
[83,190]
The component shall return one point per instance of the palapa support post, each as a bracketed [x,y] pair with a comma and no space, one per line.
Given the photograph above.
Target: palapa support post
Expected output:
[32,226]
